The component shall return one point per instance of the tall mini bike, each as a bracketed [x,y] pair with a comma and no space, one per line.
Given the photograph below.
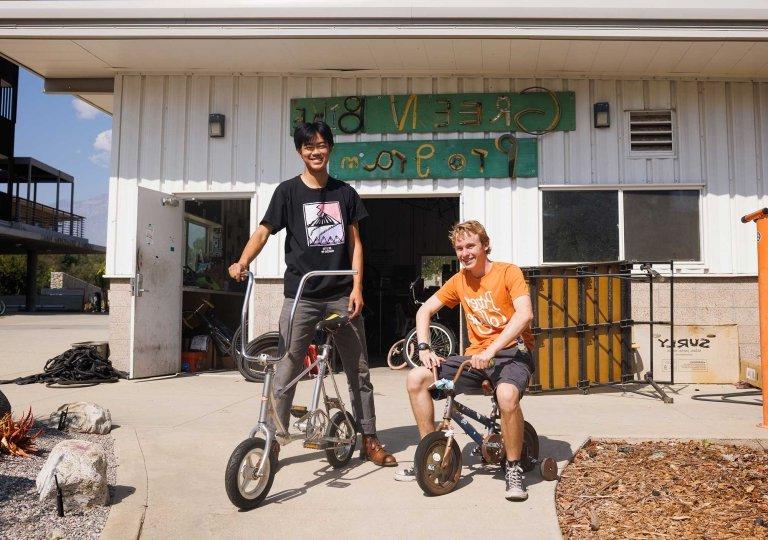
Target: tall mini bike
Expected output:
[438,457]
[325,424]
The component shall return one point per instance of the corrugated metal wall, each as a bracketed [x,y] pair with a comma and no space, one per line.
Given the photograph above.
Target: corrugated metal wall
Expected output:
[161,140]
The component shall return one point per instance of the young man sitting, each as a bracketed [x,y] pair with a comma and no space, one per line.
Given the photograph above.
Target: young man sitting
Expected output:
[498,313]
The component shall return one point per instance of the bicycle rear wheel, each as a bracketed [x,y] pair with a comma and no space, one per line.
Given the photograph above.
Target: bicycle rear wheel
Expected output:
[441,337]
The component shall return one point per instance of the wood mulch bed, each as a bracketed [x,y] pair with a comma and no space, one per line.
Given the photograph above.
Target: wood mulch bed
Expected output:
[668,489]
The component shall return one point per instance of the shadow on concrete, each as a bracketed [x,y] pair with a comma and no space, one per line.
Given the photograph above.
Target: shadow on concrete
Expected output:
[554,448]
[119,492]
[639,388]
[336,478]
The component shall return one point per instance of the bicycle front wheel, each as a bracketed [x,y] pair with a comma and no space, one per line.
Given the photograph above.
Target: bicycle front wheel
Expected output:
[441,337]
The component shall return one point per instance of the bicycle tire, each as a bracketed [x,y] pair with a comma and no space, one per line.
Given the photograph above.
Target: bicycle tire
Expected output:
[433,479]
[264,344]
[443,342]
[241,465]
[395,358]
[3,307]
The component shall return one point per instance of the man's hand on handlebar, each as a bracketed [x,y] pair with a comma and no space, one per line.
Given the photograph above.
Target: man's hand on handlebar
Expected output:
[238,271]
[481,360]
[429,359]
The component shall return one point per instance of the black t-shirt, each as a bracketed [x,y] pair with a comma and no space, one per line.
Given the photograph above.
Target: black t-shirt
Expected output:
[316,223]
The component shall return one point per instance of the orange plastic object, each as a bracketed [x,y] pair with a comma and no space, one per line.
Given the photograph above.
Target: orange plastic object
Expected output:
[191,361]
[759,217]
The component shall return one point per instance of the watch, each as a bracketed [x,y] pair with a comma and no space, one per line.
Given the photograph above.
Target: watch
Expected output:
[424,346]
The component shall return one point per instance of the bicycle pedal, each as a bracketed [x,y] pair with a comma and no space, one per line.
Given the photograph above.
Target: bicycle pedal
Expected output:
[313,445]
[297,411]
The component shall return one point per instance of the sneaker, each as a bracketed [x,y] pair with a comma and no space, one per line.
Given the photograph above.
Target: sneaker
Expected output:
[405,474]
[515,488]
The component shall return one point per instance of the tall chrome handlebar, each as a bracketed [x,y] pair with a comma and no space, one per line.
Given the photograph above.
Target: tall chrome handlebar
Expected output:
[246,302]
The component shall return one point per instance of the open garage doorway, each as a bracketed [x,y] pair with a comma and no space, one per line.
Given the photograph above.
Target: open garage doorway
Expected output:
[405,239]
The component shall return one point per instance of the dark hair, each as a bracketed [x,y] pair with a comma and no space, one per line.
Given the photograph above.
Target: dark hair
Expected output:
[305,133]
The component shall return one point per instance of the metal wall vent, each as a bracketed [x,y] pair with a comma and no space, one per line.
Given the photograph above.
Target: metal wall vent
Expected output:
[651,132]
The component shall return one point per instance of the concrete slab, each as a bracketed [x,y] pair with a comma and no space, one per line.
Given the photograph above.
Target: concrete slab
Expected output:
[176,434]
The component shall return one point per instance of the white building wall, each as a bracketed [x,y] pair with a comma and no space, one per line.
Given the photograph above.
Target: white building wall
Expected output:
[160,140]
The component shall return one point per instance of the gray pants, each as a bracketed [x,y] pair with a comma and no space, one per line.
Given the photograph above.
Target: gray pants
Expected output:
[353,352]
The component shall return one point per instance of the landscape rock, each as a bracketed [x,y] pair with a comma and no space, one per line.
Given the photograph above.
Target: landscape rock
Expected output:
[81,470]
[83,417]
[5,406]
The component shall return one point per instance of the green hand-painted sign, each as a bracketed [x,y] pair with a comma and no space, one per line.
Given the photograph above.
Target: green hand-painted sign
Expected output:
[535,110]
[503,157]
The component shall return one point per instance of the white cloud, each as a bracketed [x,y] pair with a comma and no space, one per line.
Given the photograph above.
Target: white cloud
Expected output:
[103,144]
[83,110]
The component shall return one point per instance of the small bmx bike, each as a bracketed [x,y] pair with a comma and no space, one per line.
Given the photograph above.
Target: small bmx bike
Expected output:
[251,467]
[438,457]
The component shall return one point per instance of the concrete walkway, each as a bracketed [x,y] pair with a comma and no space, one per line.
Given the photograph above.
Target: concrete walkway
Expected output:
[176,434]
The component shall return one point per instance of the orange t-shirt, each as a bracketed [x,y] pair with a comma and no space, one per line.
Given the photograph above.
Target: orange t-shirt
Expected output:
[487,302]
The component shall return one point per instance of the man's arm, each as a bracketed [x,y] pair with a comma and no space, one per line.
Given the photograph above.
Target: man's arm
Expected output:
[250,251]
[519,322]
[356,261]
[423,316]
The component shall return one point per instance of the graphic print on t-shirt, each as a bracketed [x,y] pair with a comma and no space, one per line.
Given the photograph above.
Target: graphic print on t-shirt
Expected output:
[485,315]
[324,224]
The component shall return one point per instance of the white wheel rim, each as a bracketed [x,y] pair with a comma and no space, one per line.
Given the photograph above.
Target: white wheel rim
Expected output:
[248,484]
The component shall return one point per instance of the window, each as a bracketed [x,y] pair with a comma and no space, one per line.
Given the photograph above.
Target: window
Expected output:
[650,133]
[196,245]
[657,225]
[661,225]
[580,226]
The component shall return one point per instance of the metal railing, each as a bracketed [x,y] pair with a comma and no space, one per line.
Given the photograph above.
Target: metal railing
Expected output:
[46,217]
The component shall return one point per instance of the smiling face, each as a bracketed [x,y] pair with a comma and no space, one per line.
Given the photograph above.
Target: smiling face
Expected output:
[471,251]
[315,154]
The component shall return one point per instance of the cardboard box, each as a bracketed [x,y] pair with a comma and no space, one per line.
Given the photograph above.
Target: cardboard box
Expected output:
[702,354]
[751,371]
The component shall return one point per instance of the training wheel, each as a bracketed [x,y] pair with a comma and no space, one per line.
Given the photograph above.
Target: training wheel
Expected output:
[548,468]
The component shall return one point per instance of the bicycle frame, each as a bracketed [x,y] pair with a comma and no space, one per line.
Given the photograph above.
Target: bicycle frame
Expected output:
[268,403]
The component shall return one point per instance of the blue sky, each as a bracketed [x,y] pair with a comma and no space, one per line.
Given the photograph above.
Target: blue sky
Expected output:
[66,134]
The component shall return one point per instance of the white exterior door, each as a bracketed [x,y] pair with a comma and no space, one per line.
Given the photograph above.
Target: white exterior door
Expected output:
[156,313]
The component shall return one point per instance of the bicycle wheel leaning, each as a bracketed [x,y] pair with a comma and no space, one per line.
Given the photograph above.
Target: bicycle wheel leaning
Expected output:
[441,337]
[395,358]
[264,344]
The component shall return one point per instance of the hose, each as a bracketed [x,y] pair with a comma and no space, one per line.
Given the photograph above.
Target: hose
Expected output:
[81,366]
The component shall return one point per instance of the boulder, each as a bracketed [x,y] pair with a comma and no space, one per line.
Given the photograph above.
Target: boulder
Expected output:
[81,470]
[5,406]
[84,417]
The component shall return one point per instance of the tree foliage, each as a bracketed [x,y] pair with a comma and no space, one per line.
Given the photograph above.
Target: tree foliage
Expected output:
[13,270]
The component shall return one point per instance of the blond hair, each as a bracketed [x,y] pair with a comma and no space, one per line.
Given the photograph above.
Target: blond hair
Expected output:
[471,226]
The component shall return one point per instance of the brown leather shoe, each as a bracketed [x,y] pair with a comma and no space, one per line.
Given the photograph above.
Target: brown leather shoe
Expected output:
[373,450]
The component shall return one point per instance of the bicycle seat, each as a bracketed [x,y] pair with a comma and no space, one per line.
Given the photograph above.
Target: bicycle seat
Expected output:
[332,322]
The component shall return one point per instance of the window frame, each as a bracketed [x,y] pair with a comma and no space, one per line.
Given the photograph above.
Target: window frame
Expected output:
[698,266]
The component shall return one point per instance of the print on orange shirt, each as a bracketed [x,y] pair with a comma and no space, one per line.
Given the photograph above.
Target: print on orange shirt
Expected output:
[487,302]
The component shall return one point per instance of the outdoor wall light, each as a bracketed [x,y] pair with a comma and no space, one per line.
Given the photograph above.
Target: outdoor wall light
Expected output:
[602,115]
[215,125]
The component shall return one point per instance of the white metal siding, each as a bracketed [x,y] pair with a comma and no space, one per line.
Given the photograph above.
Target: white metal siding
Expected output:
[161,141]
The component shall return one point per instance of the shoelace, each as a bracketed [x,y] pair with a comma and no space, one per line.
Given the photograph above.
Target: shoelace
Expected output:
[514,477]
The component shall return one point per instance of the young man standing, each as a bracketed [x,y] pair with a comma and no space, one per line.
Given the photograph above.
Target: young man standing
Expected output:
[498,313]
[320,215]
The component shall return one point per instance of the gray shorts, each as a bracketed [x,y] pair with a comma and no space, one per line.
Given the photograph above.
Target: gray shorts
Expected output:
[510,366]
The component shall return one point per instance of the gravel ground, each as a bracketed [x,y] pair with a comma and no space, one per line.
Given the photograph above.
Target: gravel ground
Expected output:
[23,516]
